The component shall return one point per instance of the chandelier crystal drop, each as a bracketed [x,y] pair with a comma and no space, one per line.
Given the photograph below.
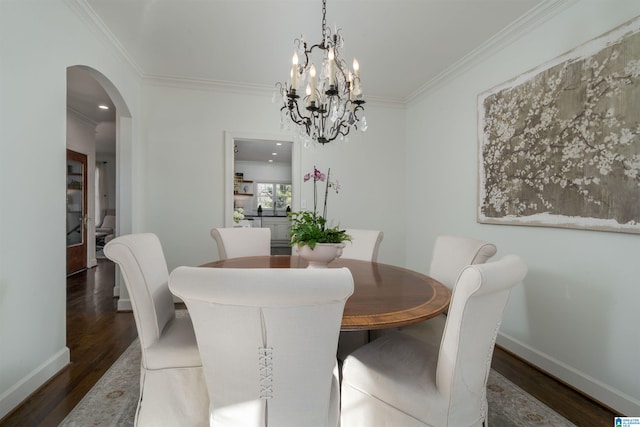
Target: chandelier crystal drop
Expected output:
[324,103]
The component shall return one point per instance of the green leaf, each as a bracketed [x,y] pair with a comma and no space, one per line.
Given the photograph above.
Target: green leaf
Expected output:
[308,228]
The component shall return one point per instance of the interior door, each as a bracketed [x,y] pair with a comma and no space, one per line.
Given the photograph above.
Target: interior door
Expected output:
[76,212]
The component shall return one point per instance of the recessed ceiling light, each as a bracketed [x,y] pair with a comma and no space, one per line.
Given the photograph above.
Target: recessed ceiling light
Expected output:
[103,107]
[274,154]
[278,143]
[270,160]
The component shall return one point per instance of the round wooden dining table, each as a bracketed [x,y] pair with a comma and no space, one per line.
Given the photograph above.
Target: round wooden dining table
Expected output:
[385,296]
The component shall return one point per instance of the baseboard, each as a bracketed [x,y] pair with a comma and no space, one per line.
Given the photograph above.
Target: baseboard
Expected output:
[34,380]
[597,390]
[124,305]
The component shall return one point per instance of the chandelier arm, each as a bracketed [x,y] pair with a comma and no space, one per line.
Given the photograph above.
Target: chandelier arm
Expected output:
[338,132]
[339,62]
[323,123]
[338,126]
[309,51]
[357,109]
[302,120]
[297,110]
[308,121]
[295,115]
[344,130]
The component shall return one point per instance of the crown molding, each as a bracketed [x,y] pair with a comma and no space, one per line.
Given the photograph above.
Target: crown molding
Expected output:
[206,84]
[535,17]
[240,88]
[526,23]
[93,21]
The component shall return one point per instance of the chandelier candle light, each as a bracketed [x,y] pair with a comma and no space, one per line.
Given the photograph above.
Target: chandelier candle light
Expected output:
[333,97]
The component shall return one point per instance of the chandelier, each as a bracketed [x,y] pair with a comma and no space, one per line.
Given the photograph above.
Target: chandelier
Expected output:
[322,105]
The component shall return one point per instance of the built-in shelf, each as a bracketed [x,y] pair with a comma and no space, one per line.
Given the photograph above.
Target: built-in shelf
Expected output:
[243,188]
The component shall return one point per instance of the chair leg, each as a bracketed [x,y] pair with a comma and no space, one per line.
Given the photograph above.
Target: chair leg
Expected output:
[350,341]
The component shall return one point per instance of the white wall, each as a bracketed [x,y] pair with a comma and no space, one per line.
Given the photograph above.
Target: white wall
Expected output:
[40,39]
[184,152]
[110,174]
[576,314]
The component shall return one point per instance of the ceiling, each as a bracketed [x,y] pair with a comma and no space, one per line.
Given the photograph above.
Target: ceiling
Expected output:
[261,151]
[401,45]
[84,95]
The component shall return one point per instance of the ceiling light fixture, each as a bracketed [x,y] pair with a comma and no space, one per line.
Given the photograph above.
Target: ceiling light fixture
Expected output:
[103,107]
[333,99]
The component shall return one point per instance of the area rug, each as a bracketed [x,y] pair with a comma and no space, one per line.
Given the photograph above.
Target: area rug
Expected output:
[112,401]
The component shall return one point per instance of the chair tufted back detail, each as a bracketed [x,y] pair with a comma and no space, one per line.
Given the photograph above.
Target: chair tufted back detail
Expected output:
[268,340]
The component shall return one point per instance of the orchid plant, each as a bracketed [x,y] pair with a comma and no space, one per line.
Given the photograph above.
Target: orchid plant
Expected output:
[310,228]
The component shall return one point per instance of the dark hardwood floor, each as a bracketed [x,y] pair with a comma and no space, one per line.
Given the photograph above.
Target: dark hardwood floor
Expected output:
[97,335]
[576,407]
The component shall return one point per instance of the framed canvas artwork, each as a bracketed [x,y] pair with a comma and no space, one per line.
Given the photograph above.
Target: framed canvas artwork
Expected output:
[559,146]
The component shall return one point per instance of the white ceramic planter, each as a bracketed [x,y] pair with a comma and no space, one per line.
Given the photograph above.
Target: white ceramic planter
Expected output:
[322,254]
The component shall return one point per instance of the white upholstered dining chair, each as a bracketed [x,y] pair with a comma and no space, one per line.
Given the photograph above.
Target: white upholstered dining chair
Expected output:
[399,380]
[108,225]
[172,385]
[450,255]
[268,341]
[234,242]
[364,244]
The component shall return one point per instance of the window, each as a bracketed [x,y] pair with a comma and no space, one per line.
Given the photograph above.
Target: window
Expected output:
[272,194]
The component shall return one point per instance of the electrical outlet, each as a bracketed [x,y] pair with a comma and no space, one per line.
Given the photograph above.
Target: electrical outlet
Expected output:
[303,204]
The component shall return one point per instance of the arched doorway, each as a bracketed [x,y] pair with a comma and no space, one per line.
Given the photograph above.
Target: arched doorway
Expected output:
[86,89]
